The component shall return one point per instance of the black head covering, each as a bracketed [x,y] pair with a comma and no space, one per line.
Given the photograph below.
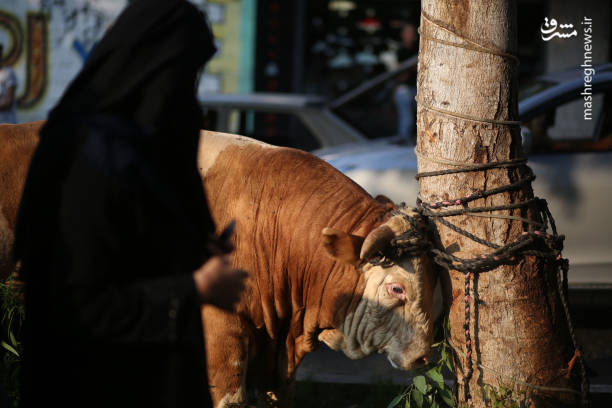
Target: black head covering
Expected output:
[144,71]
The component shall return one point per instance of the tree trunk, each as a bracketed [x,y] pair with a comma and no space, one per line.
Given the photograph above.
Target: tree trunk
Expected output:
[519,335]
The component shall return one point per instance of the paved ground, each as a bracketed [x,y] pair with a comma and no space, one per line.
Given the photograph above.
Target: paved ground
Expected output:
[328,366]
[592,314]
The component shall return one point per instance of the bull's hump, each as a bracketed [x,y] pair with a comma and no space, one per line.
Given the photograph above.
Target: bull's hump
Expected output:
[212,144]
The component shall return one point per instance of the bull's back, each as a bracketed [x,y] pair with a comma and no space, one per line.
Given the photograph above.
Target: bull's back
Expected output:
[281,199]
[225,164]
[17,144]
[256,181]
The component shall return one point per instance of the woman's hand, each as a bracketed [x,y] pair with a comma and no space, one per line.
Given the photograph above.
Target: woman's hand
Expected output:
[218,284]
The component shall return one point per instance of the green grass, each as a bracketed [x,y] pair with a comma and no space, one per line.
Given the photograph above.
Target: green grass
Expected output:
[10,344]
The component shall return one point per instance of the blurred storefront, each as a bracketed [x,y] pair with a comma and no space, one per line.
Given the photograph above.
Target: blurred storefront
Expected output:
[233,23]
[46,42]
[322,47]
[328,47]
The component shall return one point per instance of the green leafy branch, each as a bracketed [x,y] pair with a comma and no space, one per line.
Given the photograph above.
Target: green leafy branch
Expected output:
[11,298]
[428,389]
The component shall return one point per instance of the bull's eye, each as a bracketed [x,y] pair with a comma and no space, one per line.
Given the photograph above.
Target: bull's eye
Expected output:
[396,290]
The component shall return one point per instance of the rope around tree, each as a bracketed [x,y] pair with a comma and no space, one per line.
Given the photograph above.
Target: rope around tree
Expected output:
[535,241]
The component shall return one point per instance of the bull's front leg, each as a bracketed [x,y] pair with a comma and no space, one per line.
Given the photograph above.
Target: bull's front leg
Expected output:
[226,357]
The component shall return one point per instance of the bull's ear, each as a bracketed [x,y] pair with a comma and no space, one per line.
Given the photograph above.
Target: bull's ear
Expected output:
[341,245]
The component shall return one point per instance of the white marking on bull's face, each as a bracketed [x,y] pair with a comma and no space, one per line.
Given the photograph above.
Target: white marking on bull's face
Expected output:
[213,143]
[393,316]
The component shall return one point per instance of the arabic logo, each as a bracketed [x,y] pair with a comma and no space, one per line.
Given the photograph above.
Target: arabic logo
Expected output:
[549,30]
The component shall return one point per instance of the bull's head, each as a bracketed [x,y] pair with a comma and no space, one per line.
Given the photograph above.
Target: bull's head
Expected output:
[394,314]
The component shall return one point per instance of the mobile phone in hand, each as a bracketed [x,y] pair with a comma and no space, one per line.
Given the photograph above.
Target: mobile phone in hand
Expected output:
[227,232]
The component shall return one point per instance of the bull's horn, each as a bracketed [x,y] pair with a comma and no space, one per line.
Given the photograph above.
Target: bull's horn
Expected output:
[381,237]
[376,241]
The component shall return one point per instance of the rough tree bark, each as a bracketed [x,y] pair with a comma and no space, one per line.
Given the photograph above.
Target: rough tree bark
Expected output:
[518,327]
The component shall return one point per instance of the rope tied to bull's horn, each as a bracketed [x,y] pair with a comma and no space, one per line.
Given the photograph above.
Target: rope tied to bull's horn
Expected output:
[411,242]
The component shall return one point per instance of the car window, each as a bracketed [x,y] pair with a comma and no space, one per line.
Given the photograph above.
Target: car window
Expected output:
[572,127]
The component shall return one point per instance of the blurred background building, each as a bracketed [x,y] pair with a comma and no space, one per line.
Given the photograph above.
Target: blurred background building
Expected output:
[321,47]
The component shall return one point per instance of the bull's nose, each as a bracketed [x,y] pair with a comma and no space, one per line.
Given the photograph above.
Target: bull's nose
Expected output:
[421,361]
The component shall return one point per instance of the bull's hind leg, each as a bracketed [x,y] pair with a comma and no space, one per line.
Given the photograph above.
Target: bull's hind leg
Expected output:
[226,357]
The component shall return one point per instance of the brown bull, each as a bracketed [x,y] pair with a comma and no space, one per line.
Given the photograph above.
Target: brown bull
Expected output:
[305,234]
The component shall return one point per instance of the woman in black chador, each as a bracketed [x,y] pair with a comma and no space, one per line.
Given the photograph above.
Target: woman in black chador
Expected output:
[114,235]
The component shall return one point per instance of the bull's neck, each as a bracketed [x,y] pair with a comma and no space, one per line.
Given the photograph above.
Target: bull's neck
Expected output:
[333,288]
